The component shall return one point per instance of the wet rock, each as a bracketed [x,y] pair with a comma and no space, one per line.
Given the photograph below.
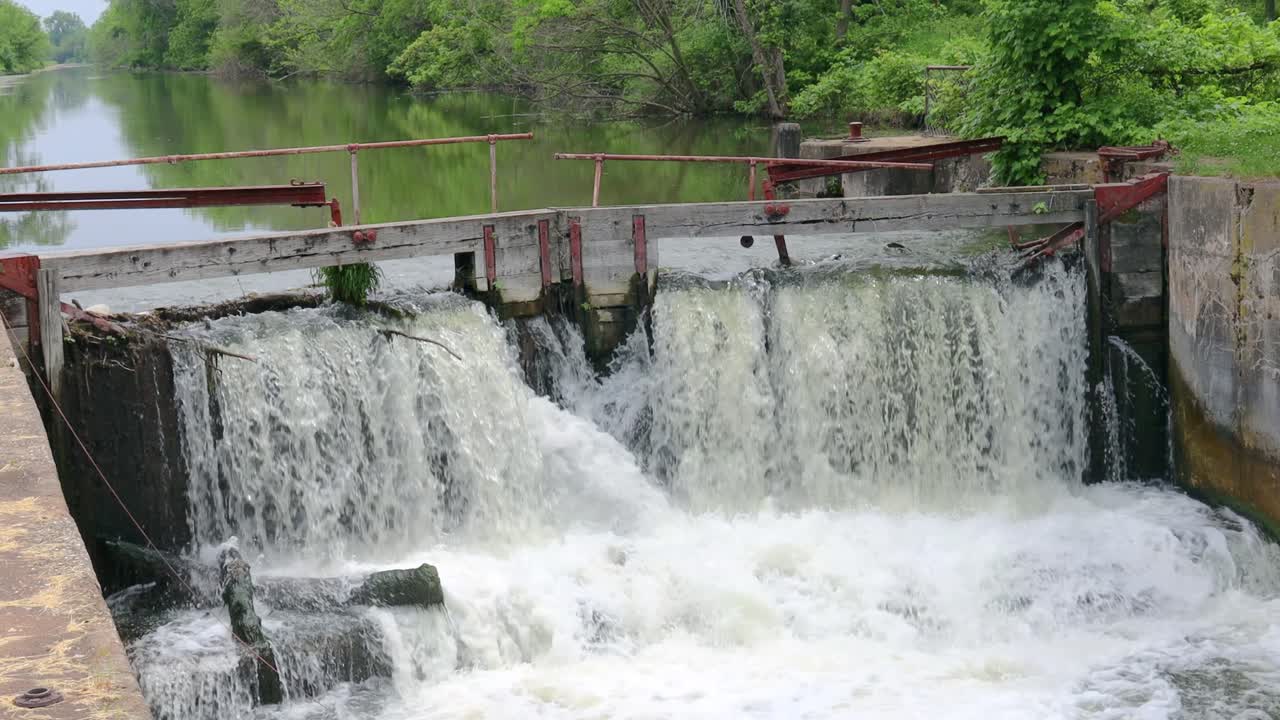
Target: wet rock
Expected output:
[419,586]
[177,581]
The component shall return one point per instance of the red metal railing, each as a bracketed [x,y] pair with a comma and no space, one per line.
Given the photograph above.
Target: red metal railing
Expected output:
[791,170]
[352,148]
[753,163]
[297,194]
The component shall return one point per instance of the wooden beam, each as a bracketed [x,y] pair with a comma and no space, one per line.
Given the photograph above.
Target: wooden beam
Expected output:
[48,287]
[845,215]
[274,252]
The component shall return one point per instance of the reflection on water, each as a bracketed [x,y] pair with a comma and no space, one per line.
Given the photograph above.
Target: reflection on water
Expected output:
[83,114]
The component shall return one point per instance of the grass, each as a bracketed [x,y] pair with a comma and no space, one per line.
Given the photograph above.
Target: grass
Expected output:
[350,284]
[1247,146]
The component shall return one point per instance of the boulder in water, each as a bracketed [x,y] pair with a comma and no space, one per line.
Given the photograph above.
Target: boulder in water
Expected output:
[419,586]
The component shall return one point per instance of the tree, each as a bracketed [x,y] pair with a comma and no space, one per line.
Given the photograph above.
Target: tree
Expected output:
[23,45]
[1031,87]
[768,58]
[68,36]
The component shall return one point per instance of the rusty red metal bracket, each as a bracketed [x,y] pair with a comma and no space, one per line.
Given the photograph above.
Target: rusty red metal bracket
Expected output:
[296,194]
[18,274]
[1114,200]
[1113,158]
[779,241]
[490,257]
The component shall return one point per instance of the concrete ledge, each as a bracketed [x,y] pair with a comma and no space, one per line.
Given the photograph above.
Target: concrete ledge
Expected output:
[57,631]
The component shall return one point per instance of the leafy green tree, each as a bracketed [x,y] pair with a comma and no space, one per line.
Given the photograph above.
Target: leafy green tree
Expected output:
[68,36]
[23,44]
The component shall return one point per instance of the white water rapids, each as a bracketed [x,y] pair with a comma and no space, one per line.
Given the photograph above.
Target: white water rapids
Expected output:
[856,496]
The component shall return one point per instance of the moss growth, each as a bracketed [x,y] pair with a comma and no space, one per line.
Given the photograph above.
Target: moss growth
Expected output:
[1214,466]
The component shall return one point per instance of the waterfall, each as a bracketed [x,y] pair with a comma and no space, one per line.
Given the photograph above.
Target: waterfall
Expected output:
[910,390]
[794,494]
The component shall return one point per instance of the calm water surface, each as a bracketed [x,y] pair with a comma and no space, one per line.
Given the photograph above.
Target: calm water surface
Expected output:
[85,114]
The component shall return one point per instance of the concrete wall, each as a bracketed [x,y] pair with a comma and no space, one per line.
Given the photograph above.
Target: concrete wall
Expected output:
[57,630]
[962,174]
[1224,339]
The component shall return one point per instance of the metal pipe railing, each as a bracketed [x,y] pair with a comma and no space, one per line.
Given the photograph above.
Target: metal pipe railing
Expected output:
[274,152]
[751,161]
[352,148]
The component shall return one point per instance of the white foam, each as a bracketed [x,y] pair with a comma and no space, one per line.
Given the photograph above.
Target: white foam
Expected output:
[851,498]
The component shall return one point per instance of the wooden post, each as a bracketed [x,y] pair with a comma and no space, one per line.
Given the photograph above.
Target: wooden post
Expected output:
[786,144]
[47,286]
[786,140]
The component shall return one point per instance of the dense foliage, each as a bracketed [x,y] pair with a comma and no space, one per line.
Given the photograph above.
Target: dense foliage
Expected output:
[23,45]
[1046,73]
[1084,73]
[68,36]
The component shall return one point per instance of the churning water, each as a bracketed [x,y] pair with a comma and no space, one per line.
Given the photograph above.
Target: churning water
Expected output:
[816,496]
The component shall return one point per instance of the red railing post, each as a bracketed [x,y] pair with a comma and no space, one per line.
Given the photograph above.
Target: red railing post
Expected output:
[490,257]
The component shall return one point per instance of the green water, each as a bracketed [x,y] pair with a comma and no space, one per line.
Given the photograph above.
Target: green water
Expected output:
[85,114]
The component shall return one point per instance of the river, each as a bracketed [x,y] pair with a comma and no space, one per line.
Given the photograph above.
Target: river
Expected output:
[86,114]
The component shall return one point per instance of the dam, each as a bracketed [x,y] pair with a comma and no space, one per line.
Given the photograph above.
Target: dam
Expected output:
[892,479]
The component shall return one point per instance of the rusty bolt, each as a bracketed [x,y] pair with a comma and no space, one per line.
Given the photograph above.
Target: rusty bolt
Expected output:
[38,698]
[746,241]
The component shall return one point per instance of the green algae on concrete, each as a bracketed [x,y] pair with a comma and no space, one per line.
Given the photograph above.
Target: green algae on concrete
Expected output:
[1212,463]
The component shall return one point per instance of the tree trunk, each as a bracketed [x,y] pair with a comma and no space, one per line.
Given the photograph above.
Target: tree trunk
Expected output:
[1271,10]
[770,64]
[237,593]
[842,25]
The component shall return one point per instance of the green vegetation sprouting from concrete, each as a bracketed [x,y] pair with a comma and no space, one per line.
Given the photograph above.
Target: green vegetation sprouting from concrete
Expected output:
[1244,144]
[350,284]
